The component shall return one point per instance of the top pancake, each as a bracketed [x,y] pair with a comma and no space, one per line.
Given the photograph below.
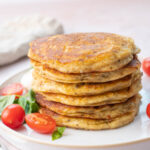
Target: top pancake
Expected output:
[83,52]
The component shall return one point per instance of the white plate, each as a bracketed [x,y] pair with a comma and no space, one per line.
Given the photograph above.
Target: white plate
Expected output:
[133,136]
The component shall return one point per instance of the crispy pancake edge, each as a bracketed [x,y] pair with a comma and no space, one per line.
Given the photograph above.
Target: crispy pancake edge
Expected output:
[96,100]
[98,112]
[51,74]
[90,124]
[41,84]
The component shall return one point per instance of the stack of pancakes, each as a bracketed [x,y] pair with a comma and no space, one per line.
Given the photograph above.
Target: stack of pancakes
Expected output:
[87,80]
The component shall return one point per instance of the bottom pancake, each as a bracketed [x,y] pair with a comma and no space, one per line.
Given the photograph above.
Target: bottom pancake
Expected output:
[98,112]
[90,124]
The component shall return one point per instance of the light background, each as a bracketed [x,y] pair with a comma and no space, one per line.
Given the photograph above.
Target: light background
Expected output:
[127,17]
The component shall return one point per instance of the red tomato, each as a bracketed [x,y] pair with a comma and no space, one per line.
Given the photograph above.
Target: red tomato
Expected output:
[146,65]
[148,110]
[40,123]
[12,89]
[13,116]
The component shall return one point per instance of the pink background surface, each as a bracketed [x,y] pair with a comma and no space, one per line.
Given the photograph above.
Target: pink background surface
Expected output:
[131,18]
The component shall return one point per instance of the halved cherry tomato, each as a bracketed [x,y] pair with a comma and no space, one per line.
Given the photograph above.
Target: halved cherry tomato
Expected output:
[148,110]
[40,123]
[12,89]
[13,116]
[146,65]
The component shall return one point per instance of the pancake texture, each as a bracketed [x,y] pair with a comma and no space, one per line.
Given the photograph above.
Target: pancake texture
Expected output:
[92,77]
[98,112]
[96,100]
[91,124]
[81,89]
[87,81]
[83,52]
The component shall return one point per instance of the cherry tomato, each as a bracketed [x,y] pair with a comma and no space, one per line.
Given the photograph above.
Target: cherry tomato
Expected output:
[13,116]
[148,110]
[40,123]
[12,89]
[146,66]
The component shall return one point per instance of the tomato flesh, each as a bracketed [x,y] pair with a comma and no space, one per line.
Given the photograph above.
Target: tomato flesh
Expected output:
[12,89]
[40,123]
[146,65]
[13,116]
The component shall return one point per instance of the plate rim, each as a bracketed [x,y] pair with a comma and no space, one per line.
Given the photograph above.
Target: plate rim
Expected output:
[27,138]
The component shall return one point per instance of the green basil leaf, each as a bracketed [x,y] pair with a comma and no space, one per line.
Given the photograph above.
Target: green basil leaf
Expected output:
[28,102]
[31,107]
[5,101]
[58,133]
[31,95]
[27,108]
[16,101]
[22,101]
[34,107]
[61,129]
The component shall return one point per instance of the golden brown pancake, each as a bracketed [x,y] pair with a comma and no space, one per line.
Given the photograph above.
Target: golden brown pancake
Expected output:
[87,81]
[54,75]
[83,52]
[98,112]
[96,100]
[41,84]
[91,124]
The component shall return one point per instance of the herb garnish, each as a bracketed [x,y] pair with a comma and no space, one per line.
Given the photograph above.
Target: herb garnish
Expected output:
[58,133]
[28,102]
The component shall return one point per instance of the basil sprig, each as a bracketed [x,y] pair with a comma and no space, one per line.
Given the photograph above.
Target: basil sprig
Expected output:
[5,101]
[58,133]
[28,102]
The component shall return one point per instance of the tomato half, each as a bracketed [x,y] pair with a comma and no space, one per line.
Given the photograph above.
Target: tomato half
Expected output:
[40,123]
[13,116]
[12,89]
[146,65]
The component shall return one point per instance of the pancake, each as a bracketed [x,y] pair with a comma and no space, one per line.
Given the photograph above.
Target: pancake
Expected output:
[93,77]
[83,52]
[98,112]
[41,84]
[96,100]
[91,124]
